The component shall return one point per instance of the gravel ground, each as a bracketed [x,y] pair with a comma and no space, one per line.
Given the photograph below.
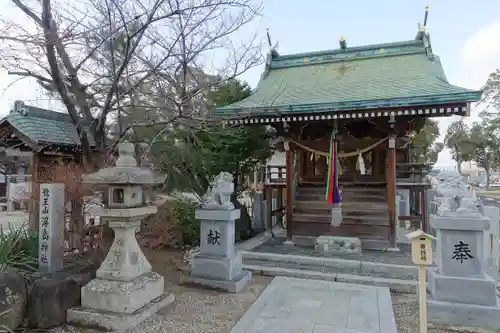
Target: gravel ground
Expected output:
[407,316]
[197,310]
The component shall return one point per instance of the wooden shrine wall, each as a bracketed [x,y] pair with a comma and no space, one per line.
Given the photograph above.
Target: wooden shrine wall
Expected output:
[315,167]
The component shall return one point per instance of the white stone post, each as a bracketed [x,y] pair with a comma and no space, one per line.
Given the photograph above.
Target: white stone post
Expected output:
[258,215]
[218,264]
[491,246]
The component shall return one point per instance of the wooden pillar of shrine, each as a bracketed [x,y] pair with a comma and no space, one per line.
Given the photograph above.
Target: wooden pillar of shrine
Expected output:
[289,191]
[391,189]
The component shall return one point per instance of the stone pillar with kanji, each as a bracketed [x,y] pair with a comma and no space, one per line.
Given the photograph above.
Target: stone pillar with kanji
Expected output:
[51,227]
[126,290]
[218,264]
[461,293]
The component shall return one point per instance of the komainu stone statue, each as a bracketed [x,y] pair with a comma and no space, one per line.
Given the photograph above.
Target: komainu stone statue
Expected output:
[456,199]
[218,196]
[470,206]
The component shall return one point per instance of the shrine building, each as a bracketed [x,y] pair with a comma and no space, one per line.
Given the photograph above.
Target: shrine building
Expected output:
[367,101]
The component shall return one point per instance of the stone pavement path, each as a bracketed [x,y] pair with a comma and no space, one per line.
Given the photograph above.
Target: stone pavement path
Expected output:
[310,306]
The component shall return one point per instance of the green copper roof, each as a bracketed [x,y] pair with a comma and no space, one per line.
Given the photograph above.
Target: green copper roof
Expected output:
[44,127]
[367,77]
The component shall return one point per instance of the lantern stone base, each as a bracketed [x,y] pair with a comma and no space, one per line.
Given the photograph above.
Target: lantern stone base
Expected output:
[122,297]
[336,244]
[118,304]
[117,322]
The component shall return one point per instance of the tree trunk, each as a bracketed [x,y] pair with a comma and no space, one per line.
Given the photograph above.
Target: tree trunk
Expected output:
[458,160]
[487,171]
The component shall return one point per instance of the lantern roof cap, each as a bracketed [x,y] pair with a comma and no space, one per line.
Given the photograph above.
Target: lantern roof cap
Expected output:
[125,172]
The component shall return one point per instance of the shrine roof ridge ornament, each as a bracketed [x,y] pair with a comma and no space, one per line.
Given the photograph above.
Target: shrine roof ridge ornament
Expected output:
[421,44]
[125,171]
[349,53]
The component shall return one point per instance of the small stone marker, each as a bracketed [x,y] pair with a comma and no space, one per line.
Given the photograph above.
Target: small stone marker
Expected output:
[51,227]
[421,255]
[337,244]
[258,215]
[218,264]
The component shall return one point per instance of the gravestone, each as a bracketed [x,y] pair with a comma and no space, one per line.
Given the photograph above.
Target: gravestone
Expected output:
[218,264]
[403,202]
[125,291]
[431,196]
[461,291]
[51,227]
[258,215]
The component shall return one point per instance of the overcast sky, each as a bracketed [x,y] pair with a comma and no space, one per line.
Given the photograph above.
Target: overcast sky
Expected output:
[465,34]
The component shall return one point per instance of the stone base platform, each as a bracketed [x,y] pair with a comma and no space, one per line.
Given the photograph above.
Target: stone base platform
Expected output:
[450,289]
[463,315]
[216,267]
[232,286]
[118,322]
[366,244]
[333,244]
[292,305]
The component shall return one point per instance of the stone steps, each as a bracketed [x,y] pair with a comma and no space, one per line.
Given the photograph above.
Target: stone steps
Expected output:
[322,206]
[301,196]
[400,278]
[347,218]
[402,286]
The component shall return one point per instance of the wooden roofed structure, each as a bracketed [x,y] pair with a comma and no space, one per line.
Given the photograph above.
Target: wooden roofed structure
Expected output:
[373,96]
[40,130]
[53,141]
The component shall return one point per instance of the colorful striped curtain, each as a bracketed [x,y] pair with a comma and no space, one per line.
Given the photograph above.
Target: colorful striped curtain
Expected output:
[332,187]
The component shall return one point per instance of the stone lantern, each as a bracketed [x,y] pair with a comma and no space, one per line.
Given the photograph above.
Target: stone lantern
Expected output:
[126,290]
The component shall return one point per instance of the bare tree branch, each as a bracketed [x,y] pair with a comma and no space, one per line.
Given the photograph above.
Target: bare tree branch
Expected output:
[51,38]
[147,63]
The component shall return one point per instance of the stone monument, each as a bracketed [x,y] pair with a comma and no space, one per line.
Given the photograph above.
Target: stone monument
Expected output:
[337,244]
[258,214]
[461,291]
[51,227]
[126,290]
[218,264]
